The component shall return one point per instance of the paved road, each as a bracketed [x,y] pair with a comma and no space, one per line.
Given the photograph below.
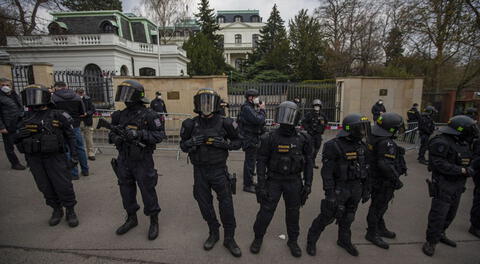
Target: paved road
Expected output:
[25,236]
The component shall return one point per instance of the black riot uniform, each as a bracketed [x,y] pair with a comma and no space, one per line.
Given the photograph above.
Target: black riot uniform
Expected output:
[251,124]
[345,181]
[283,155]
[42,135]
[387,165]
[450,157]
[475,212]
[137,131]
[207,139]
[413,115]
[314,123]
[426,127]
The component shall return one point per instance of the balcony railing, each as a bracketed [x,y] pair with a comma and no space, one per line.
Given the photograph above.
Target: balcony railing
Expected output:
[90,40]
[244,45]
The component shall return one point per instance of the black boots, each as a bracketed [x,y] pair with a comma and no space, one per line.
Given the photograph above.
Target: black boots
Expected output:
[428,249]
[422,161]
[250,189]
[129,224]
[349,247]
[445,240]
[311,248]
[294,248]
[376,240]
[212,239]
[56,217]
[256,245]
[382,231]
[232,246]
[153,230]
[72,219]
[18,166]
[474,231]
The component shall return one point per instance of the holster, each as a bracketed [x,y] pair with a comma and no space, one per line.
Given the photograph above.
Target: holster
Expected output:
[232,179]
[432,188]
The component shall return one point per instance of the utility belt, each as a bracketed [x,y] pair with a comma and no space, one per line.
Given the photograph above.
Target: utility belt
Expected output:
[351,172]
[278,176]
[46,143]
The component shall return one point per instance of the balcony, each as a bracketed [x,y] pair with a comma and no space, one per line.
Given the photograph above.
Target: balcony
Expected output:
[238,45]
[98,40]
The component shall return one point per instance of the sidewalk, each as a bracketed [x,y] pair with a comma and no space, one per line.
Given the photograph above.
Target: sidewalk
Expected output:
[25,236]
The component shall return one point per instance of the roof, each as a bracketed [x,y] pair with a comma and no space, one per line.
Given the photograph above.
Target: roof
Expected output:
[234,12]
[127,16]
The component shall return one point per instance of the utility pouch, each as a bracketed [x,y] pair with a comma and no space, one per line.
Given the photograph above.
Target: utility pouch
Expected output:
[31,145]
[49,144]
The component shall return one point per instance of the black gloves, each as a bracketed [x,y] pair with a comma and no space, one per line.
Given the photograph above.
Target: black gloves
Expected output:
[398,184]
[195,141]
[220,142]
[132,134]
[331,196]
[261,192]
[306,190]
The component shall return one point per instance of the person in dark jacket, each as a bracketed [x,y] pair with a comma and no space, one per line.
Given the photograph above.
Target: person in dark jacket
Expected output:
[158,105]
[251,125]
[314,123]
[413,115]
[426,127]
[68,101]
[11,110]
[87,127]
[378,109]
[475,211]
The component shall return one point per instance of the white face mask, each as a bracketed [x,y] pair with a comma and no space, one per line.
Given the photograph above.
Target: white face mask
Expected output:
[159,97]
[256,100]
[6,89]
[380,102]
[317,108]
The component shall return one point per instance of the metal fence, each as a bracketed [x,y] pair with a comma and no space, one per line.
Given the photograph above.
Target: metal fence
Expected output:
[275,93]
[22,76]
[98,85]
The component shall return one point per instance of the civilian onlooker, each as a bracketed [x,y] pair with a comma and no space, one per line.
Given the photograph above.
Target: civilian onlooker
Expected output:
[158,105]
[68,101]
[378,109]
[11,110]
[87,125]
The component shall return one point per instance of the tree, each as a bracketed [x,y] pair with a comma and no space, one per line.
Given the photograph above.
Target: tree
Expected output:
[307,47]
[208,22]
[205,58]
[7,27]
[167,14]
[92,5]
[394,47]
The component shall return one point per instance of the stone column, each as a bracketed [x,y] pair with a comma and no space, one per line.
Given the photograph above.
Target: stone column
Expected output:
[43,74]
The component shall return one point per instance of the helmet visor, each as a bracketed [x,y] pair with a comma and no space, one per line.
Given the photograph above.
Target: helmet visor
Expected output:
[360,130]
[125,94]
[206,103]
[286,116]
[33,97]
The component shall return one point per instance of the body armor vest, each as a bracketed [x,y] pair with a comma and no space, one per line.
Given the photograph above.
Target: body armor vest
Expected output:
[318,123]
[353,163]
[287,160]
[46,134]
[458,153]
[207,154]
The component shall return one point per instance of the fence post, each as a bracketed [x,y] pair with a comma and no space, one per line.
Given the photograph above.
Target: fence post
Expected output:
[6,71]
[43,74]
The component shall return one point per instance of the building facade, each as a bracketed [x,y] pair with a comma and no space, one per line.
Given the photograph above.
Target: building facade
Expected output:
[98,41]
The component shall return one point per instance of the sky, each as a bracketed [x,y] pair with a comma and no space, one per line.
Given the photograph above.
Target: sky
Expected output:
[288,8]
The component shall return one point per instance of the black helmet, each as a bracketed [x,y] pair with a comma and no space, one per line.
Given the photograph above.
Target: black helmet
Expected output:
[130,91]
[36,95]
[206,101]
[355,125]
[462,126]
[251,92]
[471,112]
[388,124]
[287,113]
[317,102]
[430,110]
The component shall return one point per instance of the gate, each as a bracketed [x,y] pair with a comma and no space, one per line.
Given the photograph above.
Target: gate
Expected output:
[99,86]
[22,76]
[275,93]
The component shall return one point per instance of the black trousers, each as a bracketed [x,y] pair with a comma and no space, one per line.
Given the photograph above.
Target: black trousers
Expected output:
[317,143]
[291,191]
[205,179]
[53,178]
[444,208]
[349,197]
[382,194]
[9,148]
[423,145]
[142,173]
[475,212]
[249,165]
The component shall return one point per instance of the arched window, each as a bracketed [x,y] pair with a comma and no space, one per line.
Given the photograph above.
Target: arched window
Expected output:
[221,19]
[109,26]
[238,39]
[255,19]
[93,69]
[255,39]
[146,71]
[123,71]
[57,28]
[238,19]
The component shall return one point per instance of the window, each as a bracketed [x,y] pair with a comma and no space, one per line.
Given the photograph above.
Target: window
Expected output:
[254,19]
[123,71]
[221,19]
[145,71]
[238,19]
[108,26]
[238,64]
[94,87]
[57,28]
[238,39]
[255,38]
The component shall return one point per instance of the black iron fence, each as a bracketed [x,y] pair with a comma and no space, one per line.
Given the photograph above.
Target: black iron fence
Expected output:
[275,93]
[97,85]
[22,76]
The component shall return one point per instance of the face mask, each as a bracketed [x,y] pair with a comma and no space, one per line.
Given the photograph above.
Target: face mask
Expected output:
[317,108]
[256,100]
[6,89]
[159,97]
[380,102]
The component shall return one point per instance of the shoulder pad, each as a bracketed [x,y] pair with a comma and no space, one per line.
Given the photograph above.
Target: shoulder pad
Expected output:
[438,147]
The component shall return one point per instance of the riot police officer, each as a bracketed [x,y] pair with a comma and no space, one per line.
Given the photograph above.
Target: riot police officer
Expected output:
[345,181]
[251,122]
[283,155]
[413,115]
[137,131]
[314,123]
[475,212]
[387,165]
[450,157]
[426,126]
[472,112]
[42,135]
[207,138]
